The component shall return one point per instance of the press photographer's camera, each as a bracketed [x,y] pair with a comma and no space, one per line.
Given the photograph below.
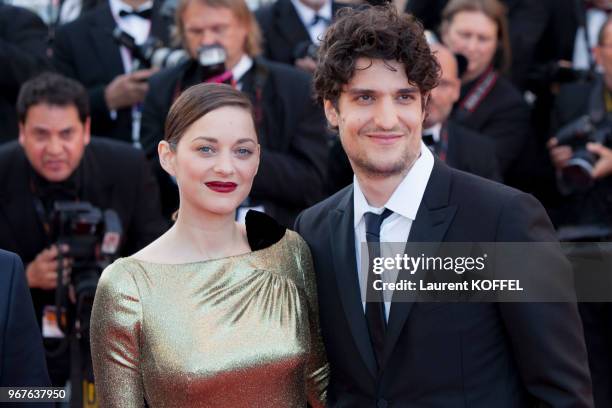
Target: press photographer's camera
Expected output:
[576,175]
[92,237]
[306,49]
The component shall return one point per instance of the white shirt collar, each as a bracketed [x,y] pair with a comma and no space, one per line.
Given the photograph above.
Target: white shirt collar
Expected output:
[434,131]
[407,197]
[307,14]
[242,67]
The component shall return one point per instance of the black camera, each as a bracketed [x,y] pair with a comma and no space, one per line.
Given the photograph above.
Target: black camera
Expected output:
[151,53]
[306,49]
[93,238]
[576,175]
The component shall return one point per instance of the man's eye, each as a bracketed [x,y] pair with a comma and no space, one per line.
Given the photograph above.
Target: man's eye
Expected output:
[364,98]
[405,97]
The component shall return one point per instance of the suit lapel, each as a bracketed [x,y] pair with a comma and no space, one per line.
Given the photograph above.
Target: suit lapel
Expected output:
[102,39]
[289,23]
[432,221]
[345,266]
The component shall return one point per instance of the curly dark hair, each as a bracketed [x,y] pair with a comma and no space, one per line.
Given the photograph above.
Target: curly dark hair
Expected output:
[378,32]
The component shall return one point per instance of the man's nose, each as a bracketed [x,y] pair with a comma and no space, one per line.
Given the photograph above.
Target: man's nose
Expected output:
[386,114]
[54,146]
[207,38]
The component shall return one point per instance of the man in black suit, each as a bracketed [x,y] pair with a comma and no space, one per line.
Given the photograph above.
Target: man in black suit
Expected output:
[22,356]
[23,53]
[407,354]
[458,146]
[86,51]
[56,160]
[290,127]
[292,29]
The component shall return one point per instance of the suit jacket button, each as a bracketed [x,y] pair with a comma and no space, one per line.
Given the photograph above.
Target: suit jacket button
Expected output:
[382,403]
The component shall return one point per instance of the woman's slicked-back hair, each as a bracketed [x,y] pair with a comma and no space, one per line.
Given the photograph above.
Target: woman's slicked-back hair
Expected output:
[379,32]
[196,102]
[496,11]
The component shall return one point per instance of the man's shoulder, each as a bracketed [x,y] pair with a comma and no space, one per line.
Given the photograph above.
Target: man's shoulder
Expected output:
[479,189]
[121,153]
[9,152]
[284,72]
[85,21]
[267,13]
[338,201]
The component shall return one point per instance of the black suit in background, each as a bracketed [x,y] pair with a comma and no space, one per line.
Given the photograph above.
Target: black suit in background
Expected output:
[447,354]
[283,30]
[291,133]
[503,116]
[22,356]
[84,49]
[23,54]
[467,151]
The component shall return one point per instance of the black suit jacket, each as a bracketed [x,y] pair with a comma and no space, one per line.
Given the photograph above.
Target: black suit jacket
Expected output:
[447,354]
[84,49]
[291,132]
[22,356]
[23,54]
[115,175]
[502,116]
[283,30]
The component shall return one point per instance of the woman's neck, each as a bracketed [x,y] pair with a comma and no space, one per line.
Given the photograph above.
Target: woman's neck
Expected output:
[207,235]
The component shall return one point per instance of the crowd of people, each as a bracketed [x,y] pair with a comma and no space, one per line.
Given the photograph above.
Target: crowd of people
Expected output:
[103,121]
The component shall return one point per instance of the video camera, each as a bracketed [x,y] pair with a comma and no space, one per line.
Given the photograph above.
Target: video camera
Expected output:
[93,238]
[306,49]
[577,173]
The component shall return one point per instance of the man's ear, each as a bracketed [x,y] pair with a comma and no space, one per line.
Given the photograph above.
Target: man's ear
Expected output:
[425,101]
[167,157]
[21,133]
[331,113]
[87,131]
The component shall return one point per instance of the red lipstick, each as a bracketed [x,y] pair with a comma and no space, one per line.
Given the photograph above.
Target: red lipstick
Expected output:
[221,187]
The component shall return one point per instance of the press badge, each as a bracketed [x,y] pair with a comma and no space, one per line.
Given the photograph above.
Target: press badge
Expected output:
[50,328]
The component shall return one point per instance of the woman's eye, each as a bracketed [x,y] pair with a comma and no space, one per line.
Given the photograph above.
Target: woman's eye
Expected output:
[206,149]
[243,151]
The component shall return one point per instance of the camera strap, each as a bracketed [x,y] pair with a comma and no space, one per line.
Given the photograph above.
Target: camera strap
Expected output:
[478,93]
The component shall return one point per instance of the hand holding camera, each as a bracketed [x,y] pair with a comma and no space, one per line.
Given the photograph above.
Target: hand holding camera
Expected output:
[128,89]
[42,271]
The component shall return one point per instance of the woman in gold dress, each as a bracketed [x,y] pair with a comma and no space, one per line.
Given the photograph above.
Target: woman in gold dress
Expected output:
[213,313]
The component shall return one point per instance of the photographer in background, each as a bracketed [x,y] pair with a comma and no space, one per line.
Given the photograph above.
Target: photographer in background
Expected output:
[581,154]
[23,54]
[86,51]
[292,29]
[588,105]
[56,160]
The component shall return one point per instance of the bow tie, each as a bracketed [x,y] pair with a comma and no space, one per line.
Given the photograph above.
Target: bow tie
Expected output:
[317,19]
[146,13]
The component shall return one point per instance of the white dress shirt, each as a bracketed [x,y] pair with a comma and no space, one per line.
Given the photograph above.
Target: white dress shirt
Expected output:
[307,16]
[242,67]
[404,203]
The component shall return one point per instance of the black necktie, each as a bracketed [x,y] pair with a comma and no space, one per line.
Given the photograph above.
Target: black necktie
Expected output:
[146,13]
[318,18]
[375,308]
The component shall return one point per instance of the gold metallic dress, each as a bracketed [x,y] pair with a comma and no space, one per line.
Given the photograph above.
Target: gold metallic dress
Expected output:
[234,332]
